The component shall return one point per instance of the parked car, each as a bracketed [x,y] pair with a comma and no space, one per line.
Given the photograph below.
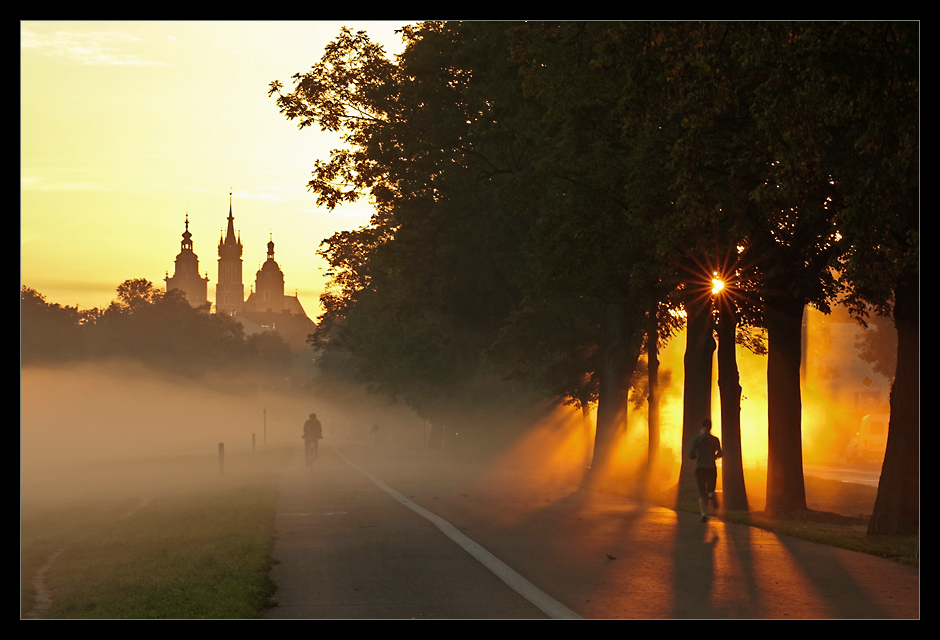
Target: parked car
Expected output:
[869,443]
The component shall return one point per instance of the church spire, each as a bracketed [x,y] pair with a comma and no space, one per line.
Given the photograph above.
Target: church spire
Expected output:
[230,292]
[187,242]
[230,237]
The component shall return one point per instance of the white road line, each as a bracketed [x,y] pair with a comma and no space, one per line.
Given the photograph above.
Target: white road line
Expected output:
[523,587]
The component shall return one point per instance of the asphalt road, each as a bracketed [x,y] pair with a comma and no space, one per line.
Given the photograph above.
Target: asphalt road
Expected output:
[388,532]
[867,474]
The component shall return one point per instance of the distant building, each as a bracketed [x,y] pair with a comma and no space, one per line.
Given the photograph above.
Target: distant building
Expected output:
[266,309]
[229,290]
[186,276]
[268,294]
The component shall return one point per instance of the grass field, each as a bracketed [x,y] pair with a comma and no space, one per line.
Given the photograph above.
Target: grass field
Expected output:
[166,538]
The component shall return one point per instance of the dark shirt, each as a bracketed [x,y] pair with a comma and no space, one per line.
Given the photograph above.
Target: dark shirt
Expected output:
[704,450]
[313,430]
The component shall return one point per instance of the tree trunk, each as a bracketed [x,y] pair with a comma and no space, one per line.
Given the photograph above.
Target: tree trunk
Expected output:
[436,437]
[652,355]
[612,391]
[729,390]
[785,489]
[584,401]
[696,386]
[897,503]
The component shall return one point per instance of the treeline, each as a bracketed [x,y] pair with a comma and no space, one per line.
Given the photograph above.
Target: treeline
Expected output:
[555,201]
[147,325]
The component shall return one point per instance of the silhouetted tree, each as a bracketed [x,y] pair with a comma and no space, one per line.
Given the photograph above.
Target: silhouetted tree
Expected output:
[149,326]
[607,168]
[841,106]
[877,344]
[600,230]
[162,329]
[48,331]
[420,293]
[741,189]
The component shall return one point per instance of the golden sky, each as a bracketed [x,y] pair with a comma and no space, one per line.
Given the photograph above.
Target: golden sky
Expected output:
[126,126]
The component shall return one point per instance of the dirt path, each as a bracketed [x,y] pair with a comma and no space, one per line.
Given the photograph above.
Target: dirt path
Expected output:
[44,594]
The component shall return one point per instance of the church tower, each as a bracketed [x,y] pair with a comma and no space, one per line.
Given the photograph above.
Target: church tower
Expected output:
[267,306]
[186,273]
[269,286]
[229,290]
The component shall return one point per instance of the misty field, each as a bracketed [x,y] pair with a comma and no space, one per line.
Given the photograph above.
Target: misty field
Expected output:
[124,513]
[201,553]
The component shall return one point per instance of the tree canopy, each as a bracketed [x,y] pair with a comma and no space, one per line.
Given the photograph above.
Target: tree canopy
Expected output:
[147,325]
[550,198]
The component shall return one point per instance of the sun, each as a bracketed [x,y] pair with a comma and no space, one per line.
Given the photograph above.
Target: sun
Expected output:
[717,283]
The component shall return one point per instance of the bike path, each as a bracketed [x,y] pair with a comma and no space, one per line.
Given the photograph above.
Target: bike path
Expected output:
[349,549]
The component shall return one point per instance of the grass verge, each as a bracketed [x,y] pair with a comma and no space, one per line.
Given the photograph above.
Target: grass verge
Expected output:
[836,530]
[827,520]
[194,553]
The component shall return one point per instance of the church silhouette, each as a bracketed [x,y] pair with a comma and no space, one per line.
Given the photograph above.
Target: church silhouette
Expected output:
[267,307]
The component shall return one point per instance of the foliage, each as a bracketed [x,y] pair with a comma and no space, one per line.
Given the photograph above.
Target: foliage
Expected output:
[541,189]
[270,351]
[163,329]
[48,331]
[845,107]
[878,345]
[419,293]
[555,345]
[148,325]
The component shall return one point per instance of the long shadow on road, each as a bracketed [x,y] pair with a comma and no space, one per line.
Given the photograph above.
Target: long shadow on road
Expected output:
[600,555]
